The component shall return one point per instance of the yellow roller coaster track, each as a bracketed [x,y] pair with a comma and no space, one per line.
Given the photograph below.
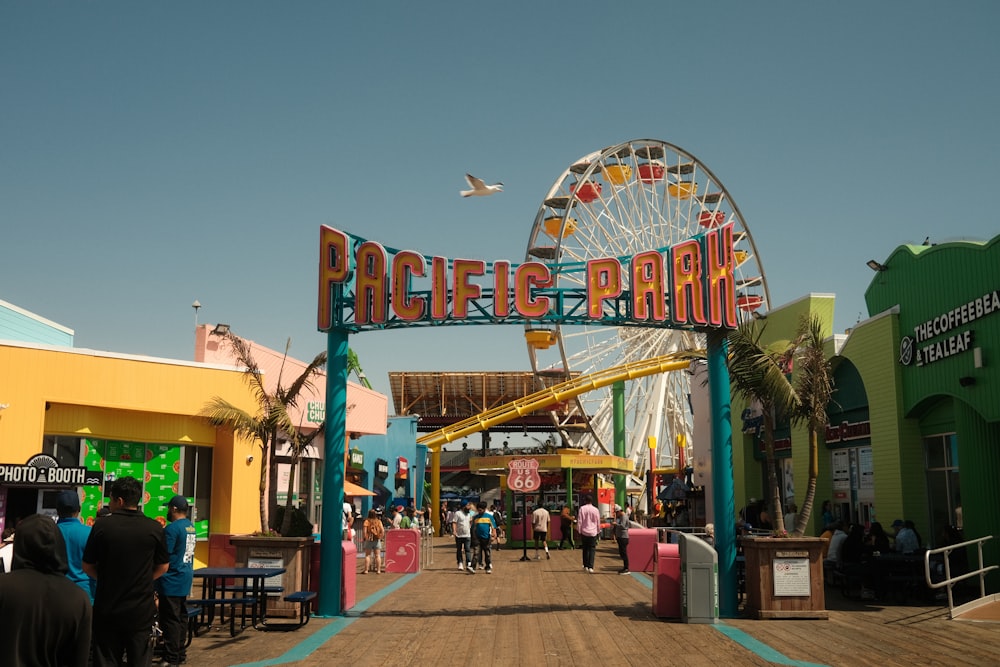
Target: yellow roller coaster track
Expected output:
[558,393]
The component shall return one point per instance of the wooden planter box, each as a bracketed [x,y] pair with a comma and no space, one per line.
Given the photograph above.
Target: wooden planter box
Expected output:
[784,577]
[291,553]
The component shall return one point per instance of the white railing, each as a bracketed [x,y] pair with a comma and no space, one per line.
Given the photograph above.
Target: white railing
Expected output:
[949,581]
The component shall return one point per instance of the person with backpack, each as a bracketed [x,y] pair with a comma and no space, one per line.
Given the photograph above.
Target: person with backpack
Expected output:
[372,532]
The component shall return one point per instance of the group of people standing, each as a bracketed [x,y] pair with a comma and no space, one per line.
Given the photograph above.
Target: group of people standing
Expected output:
[474,528]
[78,595]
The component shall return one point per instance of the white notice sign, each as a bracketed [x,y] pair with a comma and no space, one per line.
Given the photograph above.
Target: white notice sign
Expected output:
[791,576]
[257,562]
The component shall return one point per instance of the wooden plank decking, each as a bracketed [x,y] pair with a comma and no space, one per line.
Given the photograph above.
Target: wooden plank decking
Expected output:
[551,612]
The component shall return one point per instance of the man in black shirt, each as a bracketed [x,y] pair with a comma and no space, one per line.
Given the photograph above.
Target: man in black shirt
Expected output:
[45,616]
[125,553]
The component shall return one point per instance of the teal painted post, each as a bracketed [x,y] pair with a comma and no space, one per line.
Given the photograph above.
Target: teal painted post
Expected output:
[618,426]
[723,492]
[331,555]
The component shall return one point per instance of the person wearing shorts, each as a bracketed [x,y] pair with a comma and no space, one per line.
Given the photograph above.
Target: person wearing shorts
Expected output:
[540,520]
[372,533]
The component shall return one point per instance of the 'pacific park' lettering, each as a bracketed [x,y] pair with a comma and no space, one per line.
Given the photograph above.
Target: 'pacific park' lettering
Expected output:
[691,284]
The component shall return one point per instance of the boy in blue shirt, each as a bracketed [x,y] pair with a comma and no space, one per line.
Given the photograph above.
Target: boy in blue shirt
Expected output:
[484,527]
[174,586]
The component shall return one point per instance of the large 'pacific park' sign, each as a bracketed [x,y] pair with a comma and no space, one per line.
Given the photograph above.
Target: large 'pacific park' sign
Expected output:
[365,286]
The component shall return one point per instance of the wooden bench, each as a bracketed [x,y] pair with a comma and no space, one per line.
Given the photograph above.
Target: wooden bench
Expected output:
[304,599]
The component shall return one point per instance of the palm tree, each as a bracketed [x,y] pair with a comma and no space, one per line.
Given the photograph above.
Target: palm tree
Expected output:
[271,420]
[814,388]
[297,447]
[758,374]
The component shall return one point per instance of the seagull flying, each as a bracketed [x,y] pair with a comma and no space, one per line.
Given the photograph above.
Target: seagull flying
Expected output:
[479,188]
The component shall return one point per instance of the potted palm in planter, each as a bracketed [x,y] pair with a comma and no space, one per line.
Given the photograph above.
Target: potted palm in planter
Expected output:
[784,573]
[272,545]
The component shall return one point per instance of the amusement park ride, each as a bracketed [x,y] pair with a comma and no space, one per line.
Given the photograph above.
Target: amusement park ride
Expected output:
[637,259]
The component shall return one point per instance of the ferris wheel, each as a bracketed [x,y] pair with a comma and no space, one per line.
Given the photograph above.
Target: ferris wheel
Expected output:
[639,195]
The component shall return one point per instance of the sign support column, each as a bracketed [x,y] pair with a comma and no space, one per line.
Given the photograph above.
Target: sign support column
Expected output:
[723,492]
[331,555]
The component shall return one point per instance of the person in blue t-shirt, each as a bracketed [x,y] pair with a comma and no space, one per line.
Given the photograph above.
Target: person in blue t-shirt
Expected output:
[75,535]
[174,586]
[484,527]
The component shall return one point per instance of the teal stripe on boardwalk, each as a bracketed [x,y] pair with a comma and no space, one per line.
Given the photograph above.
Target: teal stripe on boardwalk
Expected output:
[760,648]
[743,639]
[306,647]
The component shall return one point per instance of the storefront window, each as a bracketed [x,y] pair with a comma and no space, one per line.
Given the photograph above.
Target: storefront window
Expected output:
[164,470]
[64,449]
[853,484]
[943,493]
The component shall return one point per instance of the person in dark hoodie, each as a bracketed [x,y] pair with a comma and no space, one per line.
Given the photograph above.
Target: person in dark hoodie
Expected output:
[46,617]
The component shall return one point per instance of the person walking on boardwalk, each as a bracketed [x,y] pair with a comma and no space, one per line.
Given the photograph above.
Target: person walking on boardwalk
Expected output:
[540,528]
[484,528]
[588,521]
[621,536]
[461,528]
[372,532]
[126,552]
[46,618]
[173,587]
[566,521]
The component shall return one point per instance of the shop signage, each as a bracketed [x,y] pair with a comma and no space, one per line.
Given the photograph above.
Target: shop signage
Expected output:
[912,349]
[402,468]
[316,412]
[364,285]
[381,468]
[43,470]
[780,444]
[357,458]
[753,420]
[848,431]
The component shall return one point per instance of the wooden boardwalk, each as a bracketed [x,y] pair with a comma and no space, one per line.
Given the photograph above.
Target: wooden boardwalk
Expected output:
[551,612]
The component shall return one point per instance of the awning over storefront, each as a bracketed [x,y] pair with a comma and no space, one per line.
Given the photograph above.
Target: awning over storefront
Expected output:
[352,489]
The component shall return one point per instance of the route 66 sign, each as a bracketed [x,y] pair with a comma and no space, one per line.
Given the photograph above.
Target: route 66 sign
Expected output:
[523,475]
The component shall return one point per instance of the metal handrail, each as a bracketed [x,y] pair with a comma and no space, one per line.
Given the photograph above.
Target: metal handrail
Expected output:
[950,581]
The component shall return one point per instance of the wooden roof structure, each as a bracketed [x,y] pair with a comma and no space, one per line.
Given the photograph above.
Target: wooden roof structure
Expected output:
[444,398]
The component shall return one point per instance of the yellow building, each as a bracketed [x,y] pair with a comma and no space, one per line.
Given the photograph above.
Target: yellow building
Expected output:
[78,419]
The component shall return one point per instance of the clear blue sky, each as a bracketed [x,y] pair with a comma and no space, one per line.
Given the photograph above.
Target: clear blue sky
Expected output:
[152,154]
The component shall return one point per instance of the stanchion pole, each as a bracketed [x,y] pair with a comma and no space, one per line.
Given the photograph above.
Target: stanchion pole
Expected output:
[524,518]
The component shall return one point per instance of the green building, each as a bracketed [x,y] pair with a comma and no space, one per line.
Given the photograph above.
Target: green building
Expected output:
[914,424]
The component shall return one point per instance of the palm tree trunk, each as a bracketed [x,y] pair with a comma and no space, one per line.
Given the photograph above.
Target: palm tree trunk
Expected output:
[286,518]
[271,498]
[802,521]
[263,485]
[772,475]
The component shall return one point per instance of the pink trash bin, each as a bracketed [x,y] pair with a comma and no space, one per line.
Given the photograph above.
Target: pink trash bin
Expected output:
[666,581]
[641,542]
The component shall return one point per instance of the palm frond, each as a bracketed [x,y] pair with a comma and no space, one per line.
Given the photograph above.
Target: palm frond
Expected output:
[813,382]
[757,373]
